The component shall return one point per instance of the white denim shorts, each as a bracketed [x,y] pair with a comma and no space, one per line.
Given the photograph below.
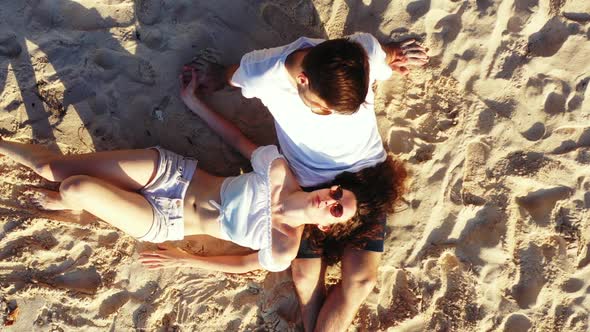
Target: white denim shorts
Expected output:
[165,193]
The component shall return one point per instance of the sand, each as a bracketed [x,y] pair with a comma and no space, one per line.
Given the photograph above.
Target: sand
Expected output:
[494,234]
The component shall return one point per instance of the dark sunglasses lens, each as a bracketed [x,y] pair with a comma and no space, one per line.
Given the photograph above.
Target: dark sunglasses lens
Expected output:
[336,193]
[336,210]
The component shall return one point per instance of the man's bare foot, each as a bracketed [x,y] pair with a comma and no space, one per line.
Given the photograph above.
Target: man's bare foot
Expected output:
[45,199]
[211,75]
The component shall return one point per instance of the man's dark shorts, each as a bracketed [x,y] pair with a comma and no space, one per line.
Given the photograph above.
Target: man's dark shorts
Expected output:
[376,245]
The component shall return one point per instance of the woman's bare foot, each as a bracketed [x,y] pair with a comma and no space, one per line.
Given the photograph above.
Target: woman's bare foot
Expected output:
[32,156]
[45,199]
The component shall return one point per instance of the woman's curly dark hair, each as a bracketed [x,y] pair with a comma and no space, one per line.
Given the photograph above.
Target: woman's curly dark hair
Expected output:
[377,189]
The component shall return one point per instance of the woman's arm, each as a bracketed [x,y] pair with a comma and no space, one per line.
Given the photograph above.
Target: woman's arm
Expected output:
[230,133]
[174,257]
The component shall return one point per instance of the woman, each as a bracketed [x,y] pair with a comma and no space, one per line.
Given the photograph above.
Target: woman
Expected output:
[156,195]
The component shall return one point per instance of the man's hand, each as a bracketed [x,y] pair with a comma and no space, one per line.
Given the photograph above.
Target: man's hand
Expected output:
[211,76]
[188,83]
[402,55]
[165,257]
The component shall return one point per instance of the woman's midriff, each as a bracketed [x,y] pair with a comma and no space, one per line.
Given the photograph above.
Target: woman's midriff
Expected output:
[200,217]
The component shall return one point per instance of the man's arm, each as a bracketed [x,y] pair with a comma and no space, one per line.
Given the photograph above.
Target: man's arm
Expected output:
[359,276]
[230,133]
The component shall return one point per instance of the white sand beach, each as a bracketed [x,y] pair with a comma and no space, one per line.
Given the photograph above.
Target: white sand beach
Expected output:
[495,232]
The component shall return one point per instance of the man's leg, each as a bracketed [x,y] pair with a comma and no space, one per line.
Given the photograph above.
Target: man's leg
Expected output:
[308,276]
[359,276]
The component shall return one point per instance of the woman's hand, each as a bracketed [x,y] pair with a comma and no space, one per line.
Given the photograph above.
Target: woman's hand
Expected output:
[165,257]
[404,54]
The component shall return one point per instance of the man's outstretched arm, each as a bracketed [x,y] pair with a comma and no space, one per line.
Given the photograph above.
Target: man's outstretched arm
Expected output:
[359,276]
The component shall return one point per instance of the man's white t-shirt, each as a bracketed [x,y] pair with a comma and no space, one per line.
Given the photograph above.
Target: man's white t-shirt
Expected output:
[318,147]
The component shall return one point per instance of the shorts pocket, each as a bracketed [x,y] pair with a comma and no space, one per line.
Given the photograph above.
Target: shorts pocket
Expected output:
[172,208]
[163,204]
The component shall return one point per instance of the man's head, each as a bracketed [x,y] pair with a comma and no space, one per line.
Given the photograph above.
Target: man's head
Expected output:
[335,77]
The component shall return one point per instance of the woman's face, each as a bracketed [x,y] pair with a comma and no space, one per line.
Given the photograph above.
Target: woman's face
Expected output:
[332,205]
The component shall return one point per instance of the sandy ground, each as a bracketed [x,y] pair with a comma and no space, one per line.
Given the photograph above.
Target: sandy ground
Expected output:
[496,131]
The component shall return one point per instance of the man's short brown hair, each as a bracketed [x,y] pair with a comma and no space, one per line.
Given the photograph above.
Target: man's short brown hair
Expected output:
[338,71]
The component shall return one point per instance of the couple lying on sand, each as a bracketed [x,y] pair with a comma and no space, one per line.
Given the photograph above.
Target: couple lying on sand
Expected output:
[331,174]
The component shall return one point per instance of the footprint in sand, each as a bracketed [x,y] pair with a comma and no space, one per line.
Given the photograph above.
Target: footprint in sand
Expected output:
[400,140]
[548,93]
[577,99]
[282,23]
[522,12]
[42,240]
[418,8]
[572,285]
[520,163]
[483,228]
[397,300]
[9,47]
[573,138]
[206,56]
[113,303]
[578,11]
[72,15]
[540,203]
[441,28]
[549,39]
[517,323]
[473,171]
[455,307]
[148,11]
[485,120]
[554,103]
[132,67]
[535,132]
[530,279]
[151,37]
[84,281]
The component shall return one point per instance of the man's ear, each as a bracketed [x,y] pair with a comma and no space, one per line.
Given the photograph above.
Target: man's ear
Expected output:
[323,228]
[302,79]
[321,111]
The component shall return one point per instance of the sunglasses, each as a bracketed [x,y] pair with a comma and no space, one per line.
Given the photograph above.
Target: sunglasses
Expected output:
[336,209]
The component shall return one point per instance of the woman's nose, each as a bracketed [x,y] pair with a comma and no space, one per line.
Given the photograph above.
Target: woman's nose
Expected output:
[328,201]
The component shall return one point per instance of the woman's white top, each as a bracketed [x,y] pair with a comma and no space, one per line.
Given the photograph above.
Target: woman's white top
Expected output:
[245,210]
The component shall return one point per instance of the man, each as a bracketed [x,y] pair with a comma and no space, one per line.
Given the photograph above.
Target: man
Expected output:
[319,93]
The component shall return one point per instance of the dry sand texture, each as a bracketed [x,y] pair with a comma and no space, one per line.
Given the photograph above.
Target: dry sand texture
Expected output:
[496,130]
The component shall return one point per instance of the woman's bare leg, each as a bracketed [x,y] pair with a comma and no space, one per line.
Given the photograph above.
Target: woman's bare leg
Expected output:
[128,169]
[126,210]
